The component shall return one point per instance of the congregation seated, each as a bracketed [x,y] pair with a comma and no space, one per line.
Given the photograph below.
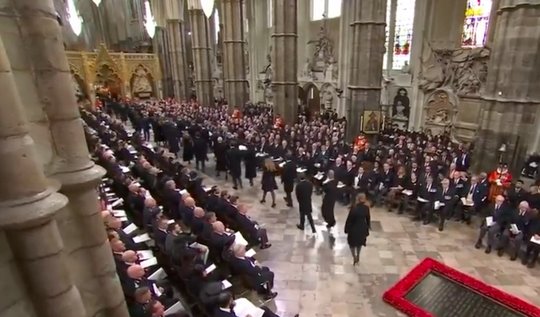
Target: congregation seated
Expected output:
[250,229]
[260,278]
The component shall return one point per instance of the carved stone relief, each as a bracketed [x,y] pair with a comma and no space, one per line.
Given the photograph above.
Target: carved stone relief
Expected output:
[323,53]
[440,111]
[464,70]
[141,84]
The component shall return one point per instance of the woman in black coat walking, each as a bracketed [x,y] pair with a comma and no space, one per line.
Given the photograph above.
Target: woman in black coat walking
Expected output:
[269,181]
[357,226]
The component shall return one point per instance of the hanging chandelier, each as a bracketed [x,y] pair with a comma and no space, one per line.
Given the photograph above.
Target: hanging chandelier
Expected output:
[207,7]
[74,18]
[149,21]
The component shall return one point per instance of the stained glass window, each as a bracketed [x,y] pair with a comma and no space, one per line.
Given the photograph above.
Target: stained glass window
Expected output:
[476,22]
[334,8]
[403,33]
[317,9]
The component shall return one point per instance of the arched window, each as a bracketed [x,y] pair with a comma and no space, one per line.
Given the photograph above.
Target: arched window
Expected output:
[476,23]
[398,33]
[321,8]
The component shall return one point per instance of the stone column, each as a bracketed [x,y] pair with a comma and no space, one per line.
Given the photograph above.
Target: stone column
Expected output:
[89,256]
[201,53]
[234,64]
[28,203]
[175,32]
[511,97]
[344,59]
[258,44]
[285,59]
[365,75]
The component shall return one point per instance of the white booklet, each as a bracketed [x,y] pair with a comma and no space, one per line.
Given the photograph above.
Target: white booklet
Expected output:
[243,308]
[118,202]
[123,219]
[407,192]
[158,275]
[145,254]
[534,240]
[130,229]
[240,239]
[489,221]
[514,228]
[225,284]
[319,176]
[148,263]
[422,200]
[210,269]
[141,238]
[281,164]
[250,253]
[119,213]
[157,292]
[340,185]
[301,170]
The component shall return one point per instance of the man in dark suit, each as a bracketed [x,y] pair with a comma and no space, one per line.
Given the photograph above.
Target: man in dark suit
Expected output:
[288,175]
[160,233]
[304,190]
[473,193]
[515,235]
[259,277]
[219,240]
[463,162]
[200,149]
[329,199]
[386,181]
[234,156]
[447,198]
[427,195]
[516,194]
[250,229]
[172,198]
[362,181]
[499,218]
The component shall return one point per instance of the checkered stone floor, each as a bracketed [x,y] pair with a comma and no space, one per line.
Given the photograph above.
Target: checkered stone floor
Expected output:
[315,276]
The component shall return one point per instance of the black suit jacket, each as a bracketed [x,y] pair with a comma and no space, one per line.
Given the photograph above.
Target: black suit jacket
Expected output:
[221,313]
[428,194]
[247,227]
[304,189]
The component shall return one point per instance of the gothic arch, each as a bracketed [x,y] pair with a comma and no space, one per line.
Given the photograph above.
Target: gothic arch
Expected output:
[312,98]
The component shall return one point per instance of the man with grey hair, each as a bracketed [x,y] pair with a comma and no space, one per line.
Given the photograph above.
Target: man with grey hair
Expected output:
[513,234]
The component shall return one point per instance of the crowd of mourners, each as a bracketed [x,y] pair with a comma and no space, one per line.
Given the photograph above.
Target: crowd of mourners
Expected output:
[423,175]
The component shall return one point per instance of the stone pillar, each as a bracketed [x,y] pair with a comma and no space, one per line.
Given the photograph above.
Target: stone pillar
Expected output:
[177,51]
[511,98]
[258,45]
[344,59]
[201,53]
[285,59]
[234,64]
[89,256]
[28,203]
[365,74]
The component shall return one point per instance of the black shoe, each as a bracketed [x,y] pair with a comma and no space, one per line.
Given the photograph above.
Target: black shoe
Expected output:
[417,218]
[513,257]
[262,201]
[273,205]
[425,222]
[524,261]
[300,227]
[289,205]
[488,250]
[441,227]
[266,246]
[478,245]
[500,252]
[531,264]
[270,296]
[235,188]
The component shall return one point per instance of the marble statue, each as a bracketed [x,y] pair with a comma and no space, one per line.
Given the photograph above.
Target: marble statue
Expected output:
[464,70]
[306,72]
[327,96]
[323,47]
[329,71]
[140,81]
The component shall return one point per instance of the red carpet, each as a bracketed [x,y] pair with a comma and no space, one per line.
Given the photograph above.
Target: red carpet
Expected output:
[397,294]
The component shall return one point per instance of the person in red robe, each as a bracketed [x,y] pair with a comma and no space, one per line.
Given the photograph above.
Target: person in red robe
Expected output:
[360,142]
[278,122]
[499,180]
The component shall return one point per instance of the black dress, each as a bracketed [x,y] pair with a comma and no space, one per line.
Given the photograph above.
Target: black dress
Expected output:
[357,225]
[268,180]
[220,152]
